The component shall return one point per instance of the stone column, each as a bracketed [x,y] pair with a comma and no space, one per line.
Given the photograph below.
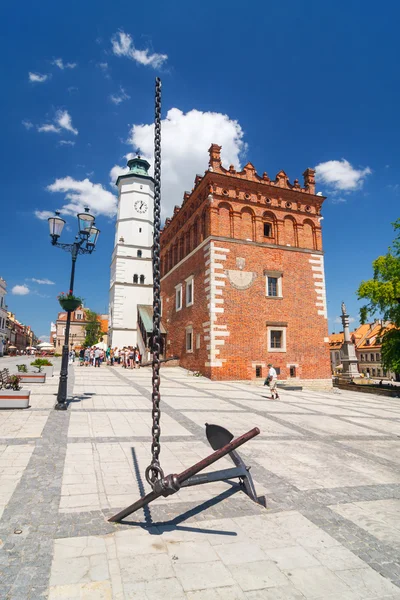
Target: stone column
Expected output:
[348,351]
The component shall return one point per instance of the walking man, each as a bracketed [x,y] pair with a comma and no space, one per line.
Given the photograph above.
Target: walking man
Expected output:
[273,381]
[97,354]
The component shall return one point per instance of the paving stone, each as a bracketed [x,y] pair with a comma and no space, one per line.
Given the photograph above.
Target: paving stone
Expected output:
[327,463]
[258,575]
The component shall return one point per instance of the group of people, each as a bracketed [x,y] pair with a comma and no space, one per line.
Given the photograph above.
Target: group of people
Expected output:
[128,357]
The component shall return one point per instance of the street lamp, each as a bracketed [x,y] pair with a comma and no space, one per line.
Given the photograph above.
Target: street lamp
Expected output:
[85,243]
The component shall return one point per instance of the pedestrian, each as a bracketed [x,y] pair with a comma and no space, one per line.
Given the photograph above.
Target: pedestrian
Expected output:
[116,355]
[81,356]
[97,356]
[137,358]
[272,381]
[112,357]
[127,361]
[91,356]
[108,361]
[131,358]
[71,354]
[87,357]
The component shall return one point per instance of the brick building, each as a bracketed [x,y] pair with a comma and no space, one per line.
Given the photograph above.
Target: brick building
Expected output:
[243,277]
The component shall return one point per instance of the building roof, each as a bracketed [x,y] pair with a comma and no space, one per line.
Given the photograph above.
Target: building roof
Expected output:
[368,335]
[373,339]
[336,341]
[146,314]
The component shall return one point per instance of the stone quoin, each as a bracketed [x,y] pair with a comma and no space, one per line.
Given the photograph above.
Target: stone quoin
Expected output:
[243,281]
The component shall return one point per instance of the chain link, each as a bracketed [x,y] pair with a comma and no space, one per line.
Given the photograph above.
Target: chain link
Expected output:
[154,471]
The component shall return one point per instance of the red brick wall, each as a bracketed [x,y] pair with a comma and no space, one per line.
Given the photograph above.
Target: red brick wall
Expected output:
[246,313]
[195,315]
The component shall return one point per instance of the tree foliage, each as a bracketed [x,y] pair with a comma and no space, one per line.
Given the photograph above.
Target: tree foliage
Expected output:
[92,328]
[382,293]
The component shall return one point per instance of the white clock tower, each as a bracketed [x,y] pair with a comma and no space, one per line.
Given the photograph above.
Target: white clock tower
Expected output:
[131,281]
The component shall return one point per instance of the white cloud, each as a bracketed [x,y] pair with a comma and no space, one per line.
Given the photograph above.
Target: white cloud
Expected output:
[48,127]
[62,120]
[20,290]
[115,172]
[103,66]
[27,124]
[338,199]
[186,138]
[44,338]
[58,62]
[122,45]
[42,281]
[81,194]
[66,143]
[340,175]
[38,77]
[118,98]
[43,215]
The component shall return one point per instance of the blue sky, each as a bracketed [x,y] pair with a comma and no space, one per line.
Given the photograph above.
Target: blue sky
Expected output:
[284,85]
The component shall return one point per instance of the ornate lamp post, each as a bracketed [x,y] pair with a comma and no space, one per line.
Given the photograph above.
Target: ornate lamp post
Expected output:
[85,243]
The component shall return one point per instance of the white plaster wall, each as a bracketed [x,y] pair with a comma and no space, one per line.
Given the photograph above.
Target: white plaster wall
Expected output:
[124,295]
[215,331]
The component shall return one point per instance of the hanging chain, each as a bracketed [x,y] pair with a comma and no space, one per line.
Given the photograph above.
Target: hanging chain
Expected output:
[154,471]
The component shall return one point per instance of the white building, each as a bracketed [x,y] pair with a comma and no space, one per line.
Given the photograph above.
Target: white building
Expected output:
[131,281]
[3,316]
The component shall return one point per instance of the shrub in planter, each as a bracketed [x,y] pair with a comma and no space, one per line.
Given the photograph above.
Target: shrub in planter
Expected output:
[22,368]
[41,362]
[15,382]
[69,302]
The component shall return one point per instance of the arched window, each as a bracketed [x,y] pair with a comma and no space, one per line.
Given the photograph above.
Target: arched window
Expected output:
[142,279]
[135,278]
[139,254]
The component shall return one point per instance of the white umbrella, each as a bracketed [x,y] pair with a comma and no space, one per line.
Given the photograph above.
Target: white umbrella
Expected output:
[30,348]
[45,345]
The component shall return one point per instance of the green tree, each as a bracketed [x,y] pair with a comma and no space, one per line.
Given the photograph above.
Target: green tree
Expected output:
[92,328]
[383,295]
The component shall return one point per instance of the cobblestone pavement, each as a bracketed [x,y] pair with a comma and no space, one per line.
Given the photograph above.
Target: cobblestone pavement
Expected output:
[328,464]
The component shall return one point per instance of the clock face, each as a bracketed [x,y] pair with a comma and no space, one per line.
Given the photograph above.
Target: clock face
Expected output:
[140,206]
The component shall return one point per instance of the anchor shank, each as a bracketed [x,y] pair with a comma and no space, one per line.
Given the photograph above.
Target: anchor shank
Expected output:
[209,460]
[135,506]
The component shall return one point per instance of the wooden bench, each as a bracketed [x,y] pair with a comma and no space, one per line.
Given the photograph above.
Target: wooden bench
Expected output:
[5,379]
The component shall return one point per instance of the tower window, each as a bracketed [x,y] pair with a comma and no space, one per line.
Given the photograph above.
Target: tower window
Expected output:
[273,284]
[139,254]
[293,371]
[178,297]
[189,339]
[189,291]
[142,279]
[258,371]
[276,339]
[140,230]
[135,278]
[267,229]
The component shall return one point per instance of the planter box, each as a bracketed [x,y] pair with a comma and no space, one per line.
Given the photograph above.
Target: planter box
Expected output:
[48,371]
[33,377]
[14,399]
